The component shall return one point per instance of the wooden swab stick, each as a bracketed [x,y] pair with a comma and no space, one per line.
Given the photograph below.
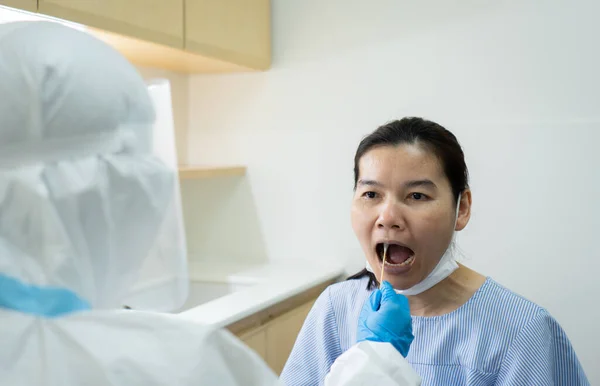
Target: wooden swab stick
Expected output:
[385,247]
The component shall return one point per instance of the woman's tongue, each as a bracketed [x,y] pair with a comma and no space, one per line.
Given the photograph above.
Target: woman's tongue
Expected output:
[397,254]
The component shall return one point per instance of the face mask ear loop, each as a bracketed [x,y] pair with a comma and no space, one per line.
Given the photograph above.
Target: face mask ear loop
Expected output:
[452,243]
[457,209]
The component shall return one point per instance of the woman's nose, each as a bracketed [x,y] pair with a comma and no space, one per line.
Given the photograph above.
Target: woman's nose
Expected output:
[390,217]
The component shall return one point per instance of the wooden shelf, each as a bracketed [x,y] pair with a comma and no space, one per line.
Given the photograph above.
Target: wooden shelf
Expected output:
[188,172]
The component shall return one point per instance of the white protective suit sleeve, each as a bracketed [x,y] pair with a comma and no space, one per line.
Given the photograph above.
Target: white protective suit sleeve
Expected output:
[124,348]
[372,363]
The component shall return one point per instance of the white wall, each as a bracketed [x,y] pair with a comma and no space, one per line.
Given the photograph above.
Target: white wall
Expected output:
[516,81]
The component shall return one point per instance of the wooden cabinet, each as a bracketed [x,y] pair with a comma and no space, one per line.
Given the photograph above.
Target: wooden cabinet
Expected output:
[272,332]
[188,36]
[256,340]
[281,336]
[231,30]
[274,337]
[158,21]
[27,5]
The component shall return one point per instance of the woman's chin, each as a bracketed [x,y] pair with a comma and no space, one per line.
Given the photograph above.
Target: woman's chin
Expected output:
[399,284]
[402,279]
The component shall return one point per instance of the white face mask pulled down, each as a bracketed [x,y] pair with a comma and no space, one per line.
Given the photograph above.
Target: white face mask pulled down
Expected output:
[442,270]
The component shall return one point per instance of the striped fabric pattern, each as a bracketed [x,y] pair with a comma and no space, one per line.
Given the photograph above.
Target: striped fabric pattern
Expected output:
[496,338]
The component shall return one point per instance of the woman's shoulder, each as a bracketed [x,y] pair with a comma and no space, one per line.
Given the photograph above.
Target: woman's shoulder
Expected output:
[343,299]
[515,310]
[538,350]
[494,310]
[349,288]
[505,298]
[349,293]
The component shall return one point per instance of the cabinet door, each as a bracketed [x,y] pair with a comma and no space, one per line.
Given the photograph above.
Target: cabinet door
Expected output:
[282,333]
[231,30]
[257,341]
[159,21]
[27,5]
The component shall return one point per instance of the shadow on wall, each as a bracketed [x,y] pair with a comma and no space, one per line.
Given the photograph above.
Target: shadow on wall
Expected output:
[221,220]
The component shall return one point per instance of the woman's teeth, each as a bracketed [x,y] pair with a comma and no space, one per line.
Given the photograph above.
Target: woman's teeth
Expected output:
[405,262]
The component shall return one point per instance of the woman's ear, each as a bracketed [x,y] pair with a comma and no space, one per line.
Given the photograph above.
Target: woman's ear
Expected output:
[464,210]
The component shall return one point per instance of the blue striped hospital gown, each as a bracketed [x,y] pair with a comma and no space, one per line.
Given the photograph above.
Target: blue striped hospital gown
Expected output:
[496,338]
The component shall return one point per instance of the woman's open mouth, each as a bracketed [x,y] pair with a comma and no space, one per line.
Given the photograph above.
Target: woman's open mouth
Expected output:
[396,255]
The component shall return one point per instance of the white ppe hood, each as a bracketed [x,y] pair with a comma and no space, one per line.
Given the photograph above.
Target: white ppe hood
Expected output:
[86,201]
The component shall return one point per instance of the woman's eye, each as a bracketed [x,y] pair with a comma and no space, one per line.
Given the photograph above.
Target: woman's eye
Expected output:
[370,195]
[417,196]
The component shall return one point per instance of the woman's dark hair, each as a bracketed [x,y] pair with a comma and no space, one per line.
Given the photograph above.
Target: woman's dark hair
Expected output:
[430,135]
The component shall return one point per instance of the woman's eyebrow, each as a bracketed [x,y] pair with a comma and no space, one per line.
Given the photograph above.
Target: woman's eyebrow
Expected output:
[408,184]
[369,183]
[420,183]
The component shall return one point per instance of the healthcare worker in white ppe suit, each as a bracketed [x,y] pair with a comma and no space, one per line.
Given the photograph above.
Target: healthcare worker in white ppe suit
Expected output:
[90,220]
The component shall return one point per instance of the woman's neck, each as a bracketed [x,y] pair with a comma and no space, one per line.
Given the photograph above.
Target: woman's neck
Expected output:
[447,295]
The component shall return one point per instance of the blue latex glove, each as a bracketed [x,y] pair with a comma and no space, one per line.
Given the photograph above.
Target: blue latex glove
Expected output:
[385,317]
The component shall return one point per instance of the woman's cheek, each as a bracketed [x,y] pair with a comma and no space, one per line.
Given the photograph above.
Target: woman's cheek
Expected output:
[433,219]
[362,225]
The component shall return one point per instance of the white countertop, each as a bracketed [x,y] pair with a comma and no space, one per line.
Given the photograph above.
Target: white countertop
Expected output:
[269,283]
